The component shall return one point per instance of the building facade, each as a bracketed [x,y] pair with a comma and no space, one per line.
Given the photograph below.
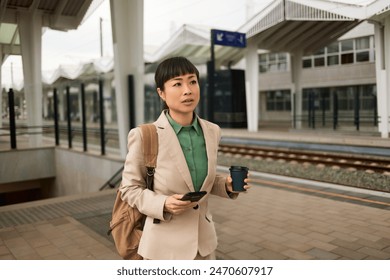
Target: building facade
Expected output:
[338,85]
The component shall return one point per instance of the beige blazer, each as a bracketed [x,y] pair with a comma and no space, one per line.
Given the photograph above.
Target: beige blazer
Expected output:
[176,236]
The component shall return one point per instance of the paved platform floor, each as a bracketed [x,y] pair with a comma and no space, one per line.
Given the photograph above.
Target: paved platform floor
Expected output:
[270,222]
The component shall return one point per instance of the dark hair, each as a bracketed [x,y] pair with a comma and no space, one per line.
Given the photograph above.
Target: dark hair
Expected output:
[173,67]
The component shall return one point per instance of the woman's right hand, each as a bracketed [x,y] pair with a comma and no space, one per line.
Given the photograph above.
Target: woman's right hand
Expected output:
[175,206]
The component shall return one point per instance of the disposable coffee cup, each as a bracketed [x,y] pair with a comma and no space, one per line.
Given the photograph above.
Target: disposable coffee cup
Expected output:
[238,174]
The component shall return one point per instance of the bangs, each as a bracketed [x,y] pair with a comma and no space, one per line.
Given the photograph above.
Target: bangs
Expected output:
[178,68]
[173,67]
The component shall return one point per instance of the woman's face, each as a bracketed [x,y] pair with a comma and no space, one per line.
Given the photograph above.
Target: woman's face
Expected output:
[181,94]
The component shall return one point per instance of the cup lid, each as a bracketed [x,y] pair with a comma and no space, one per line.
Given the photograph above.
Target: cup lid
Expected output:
[238,168]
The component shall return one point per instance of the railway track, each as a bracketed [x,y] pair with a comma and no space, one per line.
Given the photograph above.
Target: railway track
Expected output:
[346,161]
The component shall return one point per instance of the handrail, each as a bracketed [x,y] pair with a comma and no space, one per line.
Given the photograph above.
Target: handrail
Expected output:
[23,129]
[113,181]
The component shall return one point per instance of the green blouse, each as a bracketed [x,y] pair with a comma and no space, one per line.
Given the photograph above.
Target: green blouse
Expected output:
[194,149]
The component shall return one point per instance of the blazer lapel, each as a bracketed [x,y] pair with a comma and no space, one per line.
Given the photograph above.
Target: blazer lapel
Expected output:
[209,138]
[168,138]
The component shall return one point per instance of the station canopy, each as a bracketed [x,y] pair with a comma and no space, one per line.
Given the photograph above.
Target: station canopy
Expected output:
[56,14]
[307,25]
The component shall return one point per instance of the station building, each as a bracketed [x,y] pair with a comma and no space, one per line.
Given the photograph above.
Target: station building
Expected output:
[338,85]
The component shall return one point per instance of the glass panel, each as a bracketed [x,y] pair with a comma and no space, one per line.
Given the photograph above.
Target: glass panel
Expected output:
[306,63]
[7,32]
[347,58]
[333,60]
[319,61]
[279,105]
[320,51]
[347,45]
[368,100]
[278,100]
[263,57]
[270,101]
[362,56]
[263,68]
[363,43]
[333,48]
[282,57]
[342,103]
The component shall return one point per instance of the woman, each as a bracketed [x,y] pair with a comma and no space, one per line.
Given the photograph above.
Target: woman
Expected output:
[186,162]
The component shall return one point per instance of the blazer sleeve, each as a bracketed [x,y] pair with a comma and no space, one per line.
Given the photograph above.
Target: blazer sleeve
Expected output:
[219,187]
[133,186]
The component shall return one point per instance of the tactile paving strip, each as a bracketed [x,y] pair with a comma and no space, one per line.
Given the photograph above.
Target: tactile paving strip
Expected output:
[80,209]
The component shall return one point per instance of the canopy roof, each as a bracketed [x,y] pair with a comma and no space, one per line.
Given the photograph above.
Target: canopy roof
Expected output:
[306,25]
[193,42]
[55,14]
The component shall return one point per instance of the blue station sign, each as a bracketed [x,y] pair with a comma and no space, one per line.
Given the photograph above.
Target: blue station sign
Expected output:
[228,38]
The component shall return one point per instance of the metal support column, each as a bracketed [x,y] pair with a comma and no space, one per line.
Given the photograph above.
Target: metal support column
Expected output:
[211,79]
[294,111]
[56,126]
[335,110]
[101,118]
[357,109]
[375,110]
[323,109]
[83,117]
[311,110]
[68,117]
[12,125]
[130,79]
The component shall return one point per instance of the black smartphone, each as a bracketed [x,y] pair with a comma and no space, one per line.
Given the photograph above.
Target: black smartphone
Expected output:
[194,196]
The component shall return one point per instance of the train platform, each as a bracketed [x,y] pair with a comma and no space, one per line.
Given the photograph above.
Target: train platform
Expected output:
[279,218]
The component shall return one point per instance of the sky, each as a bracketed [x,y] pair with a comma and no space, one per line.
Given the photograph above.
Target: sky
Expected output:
[161,19]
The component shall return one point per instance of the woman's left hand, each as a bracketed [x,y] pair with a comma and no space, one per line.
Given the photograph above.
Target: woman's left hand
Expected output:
[229,185]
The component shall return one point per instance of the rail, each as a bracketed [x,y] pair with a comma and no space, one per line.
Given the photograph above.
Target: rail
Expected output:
[31,130]
[110,134]
[114,181]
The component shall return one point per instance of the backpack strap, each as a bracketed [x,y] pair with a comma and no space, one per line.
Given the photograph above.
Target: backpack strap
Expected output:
[150,145]
[150,139]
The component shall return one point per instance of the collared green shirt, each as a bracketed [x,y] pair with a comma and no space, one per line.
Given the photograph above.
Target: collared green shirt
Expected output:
[192,143]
